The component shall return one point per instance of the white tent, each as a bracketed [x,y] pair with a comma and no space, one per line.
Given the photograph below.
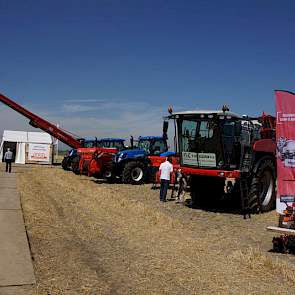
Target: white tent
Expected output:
[25,144]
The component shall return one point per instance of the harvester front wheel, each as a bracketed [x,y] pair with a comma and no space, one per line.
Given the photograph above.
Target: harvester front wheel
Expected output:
[262,194]
[134,173]
[65,164]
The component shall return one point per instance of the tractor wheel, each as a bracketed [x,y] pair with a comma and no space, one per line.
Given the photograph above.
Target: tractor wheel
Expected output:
[134,173]
[85,168]
[262,194]
[65,163]
[109,176]
[75,165]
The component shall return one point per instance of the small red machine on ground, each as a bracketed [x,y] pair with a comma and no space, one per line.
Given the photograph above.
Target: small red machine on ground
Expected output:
[156,161]
[96,162]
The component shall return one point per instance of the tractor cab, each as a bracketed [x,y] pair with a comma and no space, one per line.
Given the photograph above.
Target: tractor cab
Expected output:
[152,145]
[117,143]
[109,142]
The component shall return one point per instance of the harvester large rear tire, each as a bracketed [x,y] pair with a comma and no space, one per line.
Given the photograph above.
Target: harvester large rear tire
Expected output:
[196,195]
[134,173]
[262,193]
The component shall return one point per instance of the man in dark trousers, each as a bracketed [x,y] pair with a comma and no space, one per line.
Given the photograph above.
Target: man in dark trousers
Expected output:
[166,168]
[8,160]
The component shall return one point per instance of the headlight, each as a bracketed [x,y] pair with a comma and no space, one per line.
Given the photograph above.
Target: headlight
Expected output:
[121,157]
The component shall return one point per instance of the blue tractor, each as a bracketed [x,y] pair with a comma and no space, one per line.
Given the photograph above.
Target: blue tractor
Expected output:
[71,160]
[133,165]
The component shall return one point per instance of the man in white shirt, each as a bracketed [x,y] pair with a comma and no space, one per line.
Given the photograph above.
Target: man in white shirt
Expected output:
[166,168]
[8,156]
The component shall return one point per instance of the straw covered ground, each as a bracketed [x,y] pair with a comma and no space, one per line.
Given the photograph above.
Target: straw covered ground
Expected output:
[90,237]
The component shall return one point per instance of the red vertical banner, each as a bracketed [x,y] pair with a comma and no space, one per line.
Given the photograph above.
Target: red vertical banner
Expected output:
[285,139]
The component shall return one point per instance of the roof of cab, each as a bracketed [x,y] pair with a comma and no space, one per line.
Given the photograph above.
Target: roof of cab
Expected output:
[111,139]
[105,139]
[207,112]
[149,137]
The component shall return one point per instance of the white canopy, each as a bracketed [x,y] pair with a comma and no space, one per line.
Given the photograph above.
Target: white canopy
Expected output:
[39,137]
[21,138]
[15,136]
[24,136]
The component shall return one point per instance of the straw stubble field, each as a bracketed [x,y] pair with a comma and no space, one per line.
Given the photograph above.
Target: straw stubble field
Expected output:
[90,237]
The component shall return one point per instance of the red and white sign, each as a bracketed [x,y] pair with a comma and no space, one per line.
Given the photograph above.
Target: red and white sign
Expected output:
[39,152]
[285,138]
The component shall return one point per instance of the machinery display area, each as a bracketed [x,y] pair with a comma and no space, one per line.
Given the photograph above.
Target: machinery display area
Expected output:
[221,158]
[225,155]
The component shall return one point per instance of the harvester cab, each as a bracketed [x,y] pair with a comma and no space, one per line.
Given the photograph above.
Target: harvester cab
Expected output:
[221,147]
[208,139]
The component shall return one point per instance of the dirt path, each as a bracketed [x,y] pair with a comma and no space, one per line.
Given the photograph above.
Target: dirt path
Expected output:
[95,238]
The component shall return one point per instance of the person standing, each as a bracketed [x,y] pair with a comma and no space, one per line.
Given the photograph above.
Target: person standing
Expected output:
[166,168]
[181,180]
[8,159]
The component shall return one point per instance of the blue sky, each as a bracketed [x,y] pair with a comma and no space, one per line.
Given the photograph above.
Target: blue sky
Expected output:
[111,67]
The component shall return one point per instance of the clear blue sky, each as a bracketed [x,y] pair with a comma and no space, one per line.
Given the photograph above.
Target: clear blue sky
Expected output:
[112,67]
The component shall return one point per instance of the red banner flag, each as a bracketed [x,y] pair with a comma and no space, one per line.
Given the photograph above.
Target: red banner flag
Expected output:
[285,138]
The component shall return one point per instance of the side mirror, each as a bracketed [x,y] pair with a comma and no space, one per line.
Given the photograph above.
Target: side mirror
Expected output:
[131,142]
[238,128]
[82,141]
